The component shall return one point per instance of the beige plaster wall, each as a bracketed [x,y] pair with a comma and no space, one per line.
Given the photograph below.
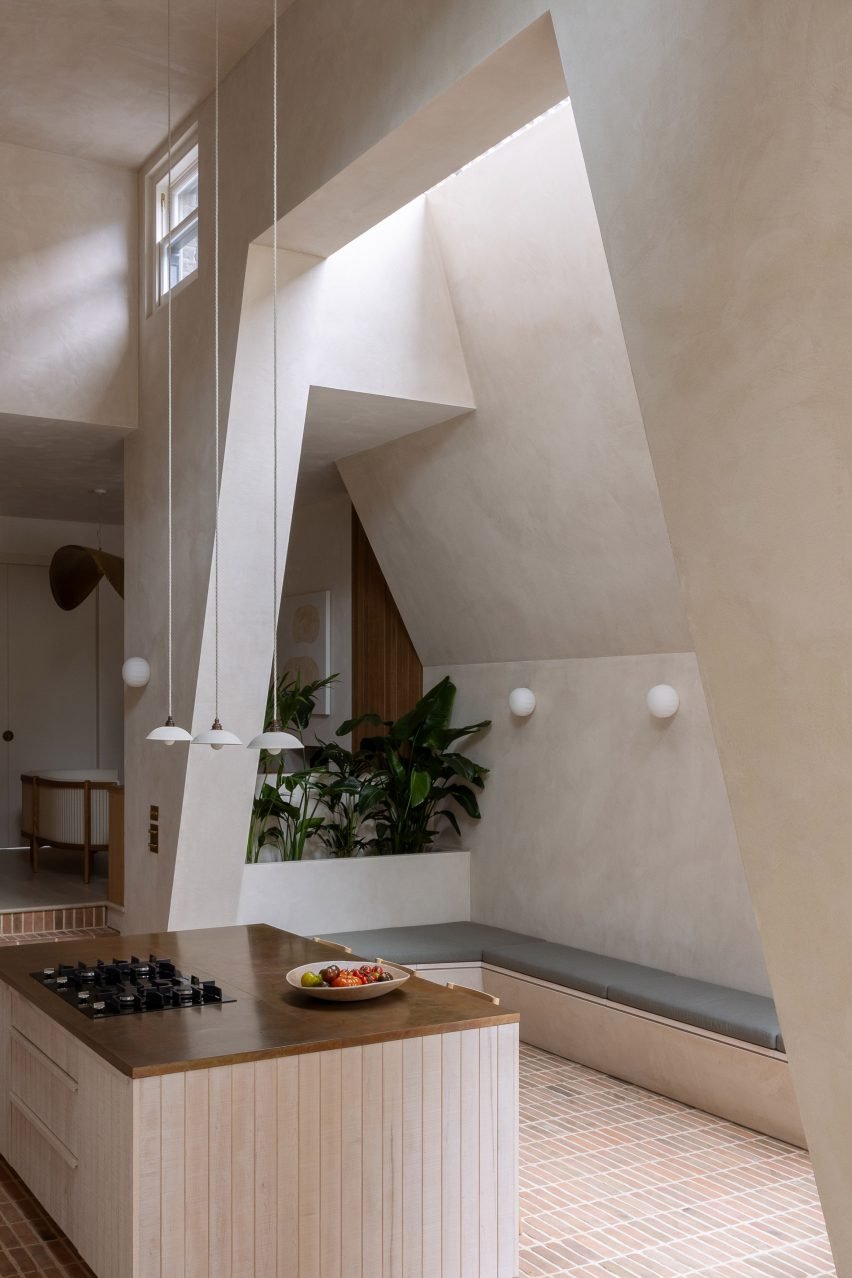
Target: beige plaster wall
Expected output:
[532,531]
[536,529]
[68,264]
[715,134]
[319,557]
[603,827]
[33,542]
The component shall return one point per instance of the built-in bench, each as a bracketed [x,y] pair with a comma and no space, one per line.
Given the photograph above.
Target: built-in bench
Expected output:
[715,1048]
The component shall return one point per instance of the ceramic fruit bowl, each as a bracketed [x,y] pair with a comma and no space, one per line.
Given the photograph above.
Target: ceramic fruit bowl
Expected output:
[346,993]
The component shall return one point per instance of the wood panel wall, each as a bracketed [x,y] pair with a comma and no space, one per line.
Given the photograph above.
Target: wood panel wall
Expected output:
[387,674]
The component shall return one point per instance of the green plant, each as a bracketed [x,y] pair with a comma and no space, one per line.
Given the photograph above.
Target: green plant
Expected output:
[416,776]
[287,820]
[349,795]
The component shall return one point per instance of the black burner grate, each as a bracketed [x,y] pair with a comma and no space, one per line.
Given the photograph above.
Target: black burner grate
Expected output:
[125,987]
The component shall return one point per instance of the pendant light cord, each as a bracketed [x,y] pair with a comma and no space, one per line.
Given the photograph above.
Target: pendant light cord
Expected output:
[216,368]
[275,589]
[169,312]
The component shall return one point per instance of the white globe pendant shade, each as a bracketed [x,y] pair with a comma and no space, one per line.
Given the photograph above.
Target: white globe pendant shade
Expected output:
[522,702]
[275,740]
[663,701]
[216,736]
[169,733]
[136,672]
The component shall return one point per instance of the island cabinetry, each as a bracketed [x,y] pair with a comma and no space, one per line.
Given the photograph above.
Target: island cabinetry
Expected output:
[268,1137]
[66,1129]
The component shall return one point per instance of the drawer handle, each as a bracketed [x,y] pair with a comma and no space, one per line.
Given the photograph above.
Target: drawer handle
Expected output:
[43,1130]
[34,1050]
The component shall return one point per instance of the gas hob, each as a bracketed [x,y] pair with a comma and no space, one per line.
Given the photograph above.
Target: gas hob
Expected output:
[128,987]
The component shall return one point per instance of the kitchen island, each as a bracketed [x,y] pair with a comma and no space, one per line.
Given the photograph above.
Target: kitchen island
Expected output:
[274,1135]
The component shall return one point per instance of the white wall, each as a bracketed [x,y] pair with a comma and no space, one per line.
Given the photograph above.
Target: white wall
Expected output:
[530,548]
[67,288]
[319,557]
[33,541]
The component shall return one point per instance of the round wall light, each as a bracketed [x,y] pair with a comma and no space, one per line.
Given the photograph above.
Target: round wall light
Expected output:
[663,701]
[136,672]
[522,702]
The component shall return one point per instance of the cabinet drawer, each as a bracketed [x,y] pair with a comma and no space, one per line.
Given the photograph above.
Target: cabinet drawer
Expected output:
[44,1087]
[43,1163]
[55,1043]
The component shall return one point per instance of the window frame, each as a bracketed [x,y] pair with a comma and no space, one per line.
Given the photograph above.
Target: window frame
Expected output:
[184,164]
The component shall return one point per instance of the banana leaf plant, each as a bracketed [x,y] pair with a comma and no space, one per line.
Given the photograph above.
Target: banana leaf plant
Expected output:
[349,796]
[284,812]
[418,776]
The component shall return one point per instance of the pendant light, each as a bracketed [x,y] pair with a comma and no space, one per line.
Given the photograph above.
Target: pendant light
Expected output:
[216,736]
[169,733]
[275,739]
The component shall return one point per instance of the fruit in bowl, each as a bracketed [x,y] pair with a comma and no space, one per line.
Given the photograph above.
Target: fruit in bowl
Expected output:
[335,977]
[348,982]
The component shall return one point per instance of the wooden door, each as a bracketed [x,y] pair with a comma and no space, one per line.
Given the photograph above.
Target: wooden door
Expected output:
[387,674]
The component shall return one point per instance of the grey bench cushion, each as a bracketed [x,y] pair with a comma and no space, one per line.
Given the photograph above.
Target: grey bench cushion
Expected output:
[749,1017]
[560,964]
[428,942]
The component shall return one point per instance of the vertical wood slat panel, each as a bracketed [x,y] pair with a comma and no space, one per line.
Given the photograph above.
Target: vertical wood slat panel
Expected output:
[242,1173]
[351,1169]
[507,1150]
[219,1119]
[412,1158]
[146,1140]
[488,1121]
[451,1108]
[288,1167]
[392,1159]
[432,1162]
[265,1170]
[387,674]
[371,1160]
[330,1164]
[172,1174]
[309,1166]
[469,1154]
[196,1144]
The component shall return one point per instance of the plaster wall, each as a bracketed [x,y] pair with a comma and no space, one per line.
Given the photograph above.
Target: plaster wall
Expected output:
[527,544]
[319,557]
[604,828]
[32,542]
[714,133]
[68,269]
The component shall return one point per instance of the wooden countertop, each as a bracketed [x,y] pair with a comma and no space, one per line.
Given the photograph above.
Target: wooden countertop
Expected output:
[269,1018]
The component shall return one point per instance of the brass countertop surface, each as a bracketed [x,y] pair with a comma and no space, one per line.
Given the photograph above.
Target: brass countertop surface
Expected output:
[269,1018]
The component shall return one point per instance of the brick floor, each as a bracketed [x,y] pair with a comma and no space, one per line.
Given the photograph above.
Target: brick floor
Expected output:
[615,1183]
[620,1183]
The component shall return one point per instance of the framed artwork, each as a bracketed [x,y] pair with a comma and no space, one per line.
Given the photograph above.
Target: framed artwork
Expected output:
[304,638]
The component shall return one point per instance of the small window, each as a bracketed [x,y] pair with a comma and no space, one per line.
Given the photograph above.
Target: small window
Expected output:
[176,204]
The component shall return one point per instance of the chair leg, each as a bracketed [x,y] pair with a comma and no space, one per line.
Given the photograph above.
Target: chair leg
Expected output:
[34,854]
[87,863]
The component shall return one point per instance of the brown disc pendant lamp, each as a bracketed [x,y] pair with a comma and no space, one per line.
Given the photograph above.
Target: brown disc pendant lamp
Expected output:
[76,570]
[169,732]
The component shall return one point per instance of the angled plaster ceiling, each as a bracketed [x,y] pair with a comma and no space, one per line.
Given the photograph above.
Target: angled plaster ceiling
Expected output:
[340,423]
[48,470]
[88,77]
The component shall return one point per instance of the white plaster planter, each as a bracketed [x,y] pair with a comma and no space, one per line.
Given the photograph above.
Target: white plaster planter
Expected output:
[313,897]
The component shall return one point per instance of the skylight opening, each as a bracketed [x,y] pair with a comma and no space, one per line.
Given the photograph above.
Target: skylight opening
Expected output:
[525,128]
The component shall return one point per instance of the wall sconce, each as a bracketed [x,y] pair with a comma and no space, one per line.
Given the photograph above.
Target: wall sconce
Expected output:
[522,702]
[136,672]
[663,701]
